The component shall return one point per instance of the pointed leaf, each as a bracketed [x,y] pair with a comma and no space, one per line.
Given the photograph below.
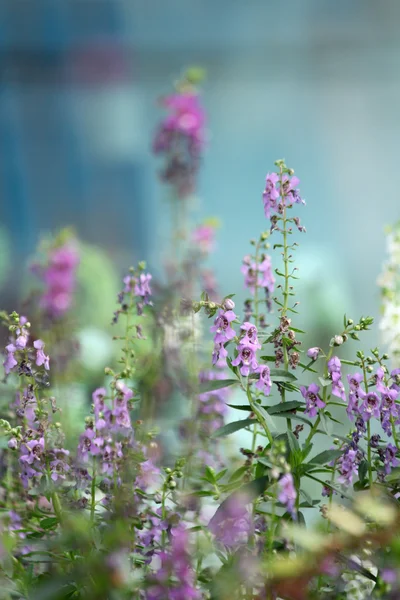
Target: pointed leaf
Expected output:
[232,427]
[325,457]
[216,384]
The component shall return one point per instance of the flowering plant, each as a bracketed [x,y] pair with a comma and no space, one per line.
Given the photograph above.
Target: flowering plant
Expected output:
[127,511]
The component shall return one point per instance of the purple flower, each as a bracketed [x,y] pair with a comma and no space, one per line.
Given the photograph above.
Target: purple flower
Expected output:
[291,193]
[354,382]
[89,443]
[388,404]
[264,383]
[59,276]
[313,401]
[267,279]
[249,270]
[222,326]
[32,451]
[313,353]
[41,358]
[270,194]
[250,335]
[10,362]
[204,237]
[142,287]
[352,406]
[391,459]
[231,523]
[338,387]
[180,138]
[389,576]
[219,355]
[370,406]
[380,379]
[246,358]
[287,493]
[347,467]
[334,365]
[395,375]
[59,466]
[149,475]
[98,400]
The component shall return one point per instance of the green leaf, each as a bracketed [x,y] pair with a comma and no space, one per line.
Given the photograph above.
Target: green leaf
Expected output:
[245,407]
[308,367]
[324,382]
[328,414]
[326,423]
[49,523]
[232,427]
[216,384]
[325,457]
[268,358]
[284,407]
[300,519]
[210,475]
[363,470]
[293,443]
[282,375]
[297,330]
[238,474]
[306,497]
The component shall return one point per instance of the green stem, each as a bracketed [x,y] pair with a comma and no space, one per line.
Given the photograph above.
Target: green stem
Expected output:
[93,493]
[286,287]
[369,450]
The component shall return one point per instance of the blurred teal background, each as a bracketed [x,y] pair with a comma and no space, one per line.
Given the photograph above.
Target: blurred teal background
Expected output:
[314,81]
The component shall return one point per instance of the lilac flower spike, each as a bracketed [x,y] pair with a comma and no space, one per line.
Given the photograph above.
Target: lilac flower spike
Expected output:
[287,492]
[313,401]
[347,467]
[142,287]
[270,194]
[41,357]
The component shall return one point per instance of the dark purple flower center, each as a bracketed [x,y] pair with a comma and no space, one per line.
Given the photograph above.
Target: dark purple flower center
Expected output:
[223,322]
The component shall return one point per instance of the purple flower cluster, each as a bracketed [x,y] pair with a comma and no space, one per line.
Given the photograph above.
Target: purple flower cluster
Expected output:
[32,460]
[98,438]
[287,493]
[231,523]
[175,579]
[279,193]
[247,349]
[180,138]
[312,398]
[18,351]
[223,333]
[59,277]
[137,286]
[212,405]
[258,274]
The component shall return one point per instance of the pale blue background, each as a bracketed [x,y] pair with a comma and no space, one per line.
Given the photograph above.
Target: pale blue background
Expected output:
[314,81]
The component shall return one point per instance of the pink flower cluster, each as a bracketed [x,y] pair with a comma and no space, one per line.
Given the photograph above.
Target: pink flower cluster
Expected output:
[59,277]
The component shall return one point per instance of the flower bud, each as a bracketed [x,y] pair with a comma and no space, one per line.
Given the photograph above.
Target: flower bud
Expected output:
[228,304]
[12,444]
[338,340]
